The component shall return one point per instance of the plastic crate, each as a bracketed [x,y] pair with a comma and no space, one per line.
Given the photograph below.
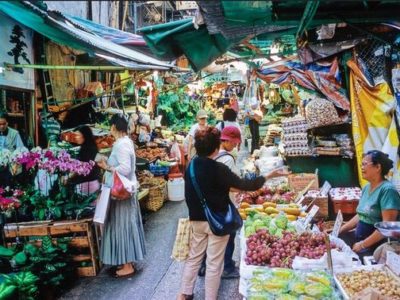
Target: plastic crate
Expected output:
[346,206]
[158,170]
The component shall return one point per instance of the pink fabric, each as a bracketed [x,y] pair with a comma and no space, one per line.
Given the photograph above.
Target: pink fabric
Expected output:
[87,188]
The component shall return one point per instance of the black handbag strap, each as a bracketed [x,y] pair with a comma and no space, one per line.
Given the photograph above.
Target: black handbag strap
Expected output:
[195,184]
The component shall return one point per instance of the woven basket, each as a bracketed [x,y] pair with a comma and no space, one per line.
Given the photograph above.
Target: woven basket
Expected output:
[157,193]
[322,203]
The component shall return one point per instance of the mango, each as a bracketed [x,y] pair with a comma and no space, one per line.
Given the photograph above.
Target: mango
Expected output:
[292,211]
[291,217]
[271,210]
[249,209]
[243,215]
[273,215]
[244,205]
[303,214]
[260,209]
[269,204]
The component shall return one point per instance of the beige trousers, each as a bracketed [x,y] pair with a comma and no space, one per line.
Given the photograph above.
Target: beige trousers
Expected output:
[204,240]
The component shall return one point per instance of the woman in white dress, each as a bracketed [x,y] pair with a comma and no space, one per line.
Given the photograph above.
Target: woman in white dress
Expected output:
[123,239]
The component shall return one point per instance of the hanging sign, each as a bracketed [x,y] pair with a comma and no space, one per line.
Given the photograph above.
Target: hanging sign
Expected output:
[338,224]
[184,5]
[16,48]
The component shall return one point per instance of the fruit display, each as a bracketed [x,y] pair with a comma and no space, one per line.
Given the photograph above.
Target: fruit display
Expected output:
[343,193]
[380,280]
[152,154]
[275,225]
[271,209]
[104,142]
[286,284]
[266,249]
[280,194]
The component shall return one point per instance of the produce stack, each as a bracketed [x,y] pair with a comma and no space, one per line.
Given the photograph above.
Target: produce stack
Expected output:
[345,199]
[294,136]
[274,132]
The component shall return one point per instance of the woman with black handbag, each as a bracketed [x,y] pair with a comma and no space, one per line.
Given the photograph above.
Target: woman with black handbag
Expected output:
[207,197]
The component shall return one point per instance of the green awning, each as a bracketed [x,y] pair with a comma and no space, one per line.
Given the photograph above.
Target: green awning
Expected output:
[173,39]
[59,29]
[35,21]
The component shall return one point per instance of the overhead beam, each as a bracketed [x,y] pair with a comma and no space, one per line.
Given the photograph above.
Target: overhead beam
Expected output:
[308,14]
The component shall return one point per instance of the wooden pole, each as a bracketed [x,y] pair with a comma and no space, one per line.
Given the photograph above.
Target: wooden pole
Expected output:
[61,67]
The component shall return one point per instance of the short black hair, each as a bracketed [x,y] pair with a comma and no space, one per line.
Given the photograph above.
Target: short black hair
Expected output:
[229,115]
[381,158]
[3,115]
[120,122]
[206,141]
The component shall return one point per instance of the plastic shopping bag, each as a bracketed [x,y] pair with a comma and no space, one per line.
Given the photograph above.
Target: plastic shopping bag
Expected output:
[102,205]
[181,248]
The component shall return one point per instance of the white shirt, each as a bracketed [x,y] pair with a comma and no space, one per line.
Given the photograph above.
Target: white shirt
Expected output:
[193,129]
[228,123]
[231,164]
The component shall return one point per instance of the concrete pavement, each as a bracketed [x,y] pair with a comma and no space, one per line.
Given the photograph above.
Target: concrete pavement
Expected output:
[159,276]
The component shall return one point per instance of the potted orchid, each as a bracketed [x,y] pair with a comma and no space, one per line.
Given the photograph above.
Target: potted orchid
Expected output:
[9,202]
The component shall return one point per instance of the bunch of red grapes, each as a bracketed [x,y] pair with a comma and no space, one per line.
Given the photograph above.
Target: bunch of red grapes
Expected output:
[264,249]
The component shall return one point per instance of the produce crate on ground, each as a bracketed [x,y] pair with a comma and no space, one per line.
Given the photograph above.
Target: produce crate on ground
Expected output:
[82,244]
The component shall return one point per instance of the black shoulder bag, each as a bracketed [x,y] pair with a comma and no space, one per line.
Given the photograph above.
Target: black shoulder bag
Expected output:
[220,223]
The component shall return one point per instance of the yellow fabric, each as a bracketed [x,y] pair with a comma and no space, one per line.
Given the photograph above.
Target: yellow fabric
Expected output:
[372,109]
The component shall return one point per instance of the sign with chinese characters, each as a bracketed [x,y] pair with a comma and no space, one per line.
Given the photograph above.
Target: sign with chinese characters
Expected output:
[184,5]
[16,48]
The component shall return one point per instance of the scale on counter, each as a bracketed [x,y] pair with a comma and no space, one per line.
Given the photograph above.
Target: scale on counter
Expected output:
[389,229]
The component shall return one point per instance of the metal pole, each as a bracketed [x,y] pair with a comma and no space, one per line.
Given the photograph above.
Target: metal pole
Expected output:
[135,17]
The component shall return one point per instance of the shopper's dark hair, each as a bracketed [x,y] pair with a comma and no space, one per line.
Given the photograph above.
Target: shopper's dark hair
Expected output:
[381,158]
[206,141]
[120,122]
[3,115]
[229,115]
[88,137]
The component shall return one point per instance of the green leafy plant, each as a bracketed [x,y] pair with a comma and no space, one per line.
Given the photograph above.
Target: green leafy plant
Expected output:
[52,264]
[21,286]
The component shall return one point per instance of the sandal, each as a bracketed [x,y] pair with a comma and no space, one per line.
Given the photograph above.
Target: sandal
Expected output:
[135,271]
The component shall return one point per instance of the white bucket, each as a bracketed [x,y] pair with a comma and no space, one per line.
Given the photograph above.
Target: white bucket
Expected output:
[176,189]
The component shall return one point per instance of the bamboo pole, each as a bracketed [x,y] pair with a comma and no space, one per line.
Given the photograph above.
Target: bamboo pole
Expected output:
[87,68]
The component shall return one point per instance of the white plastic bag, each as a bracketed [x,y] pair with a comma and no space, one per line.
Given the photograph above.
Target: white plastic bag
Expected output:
[102,203]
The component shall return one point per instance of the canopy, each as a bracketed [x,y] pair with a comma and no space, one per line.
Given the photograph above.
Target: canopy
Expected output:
[58,29]
[173,39]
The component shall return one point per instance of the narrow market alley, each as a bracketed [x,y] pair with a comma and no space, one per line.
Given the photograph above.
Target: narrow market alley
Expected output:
[159,276]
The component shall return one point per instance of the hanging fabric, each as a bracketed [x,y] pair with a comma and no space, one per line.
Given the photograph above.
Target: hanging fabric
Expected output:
[372,108]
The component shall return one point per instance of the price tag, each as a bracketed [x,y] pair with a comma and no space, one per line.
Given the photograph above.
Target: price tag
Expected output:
[325,188]
[393,262]
[313,211]
[338,224]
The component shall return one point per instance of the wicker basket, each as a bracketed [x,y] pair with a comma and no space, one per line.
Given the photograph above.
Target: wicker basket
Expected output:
[157,193]
[322,203]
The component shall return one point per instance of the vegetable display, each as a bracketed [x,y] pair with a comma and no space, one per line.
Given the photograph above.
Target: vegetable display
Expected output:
[357,281]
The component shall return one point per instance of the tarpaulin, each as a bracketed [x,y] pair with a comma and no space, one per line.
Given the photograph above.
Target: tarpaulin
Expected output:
[173,39]
[374,128]
[319,77]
